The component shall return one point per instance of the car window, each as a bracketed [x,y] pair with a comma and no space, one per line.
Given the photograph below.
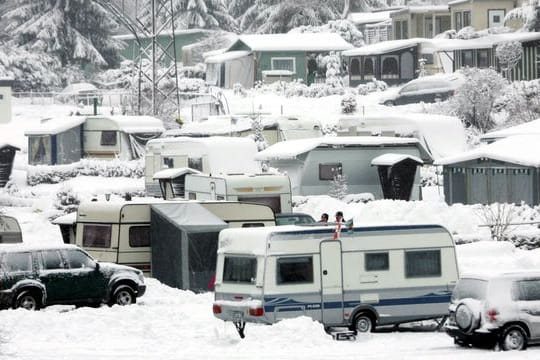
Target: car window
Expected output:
[52,260]
[409,88]
[79,260]
[15,262]
[470,288]
[527,290]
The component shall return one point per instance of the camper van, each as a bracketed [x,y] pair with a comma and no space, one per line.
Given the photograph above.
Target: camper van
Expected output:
[122,232]
[269,189]
[368,276]
[205,155]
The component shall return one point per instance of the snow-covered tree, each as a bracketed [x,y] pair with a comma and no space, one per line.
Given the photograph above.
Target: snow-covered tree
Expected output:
[207,14]
[527,14]
[333,65]
[422,67]
[257,128]
[344,28]
[475,100]
[519,102]
[73,31]
[338,187]
[348,103]
[237,8]
[509,54]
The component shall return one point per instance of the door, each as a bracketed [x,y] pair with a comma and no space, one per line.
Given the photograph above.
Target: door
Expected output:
[57,279]
[87,281]
[331,282]
[496,17]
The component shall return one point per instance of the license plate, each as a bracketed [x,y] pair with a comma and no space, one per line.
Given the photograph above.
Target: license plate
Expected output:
[237,316]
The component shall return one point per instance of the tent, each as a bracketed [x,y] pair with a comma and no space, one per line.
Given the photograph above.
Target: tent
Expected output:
[184,239]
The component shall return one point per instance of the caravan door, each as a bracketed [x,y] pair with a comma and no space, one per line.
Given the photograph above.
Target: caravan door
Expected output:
[331,282]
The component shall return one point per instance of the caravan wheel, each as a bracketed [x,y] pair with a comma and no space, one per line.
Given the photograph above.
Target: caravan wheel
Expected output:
[363,323]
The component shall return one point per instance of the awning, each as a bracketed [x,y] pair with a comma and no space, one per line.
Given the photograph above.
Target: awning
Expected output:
[68,219]
[393,159]
[174,173]
[192,217]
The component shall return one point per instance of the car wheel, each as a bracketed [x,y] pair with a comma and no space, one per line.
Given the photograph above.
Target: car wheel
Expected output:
[466,320]
[513,338]
[123,295]
[389,103]
[27,300]
[363,323]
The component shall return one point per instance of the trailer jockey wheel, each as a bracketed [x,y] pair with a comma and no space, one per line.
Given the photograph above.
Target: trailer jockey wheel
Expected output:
[240,325]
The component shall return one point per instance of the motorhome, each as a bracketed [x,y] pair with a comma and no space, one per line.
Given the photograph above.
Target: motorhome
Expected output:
[358,277]
[123,232]
[273,190]
[205,155]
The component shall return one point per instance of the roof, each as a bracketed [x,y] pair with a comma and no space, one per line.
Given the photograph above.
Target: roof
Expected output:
[294,42]
[68,219]
[34,247]
[292,148]
[53,126]
[484,42]
[78,87]
[384,47]
[392,159]
[457,2]
[531,127]
[225,56]
[361,18]
[518,149]
[192,217]
[421,10]
[134,123]
[174,173]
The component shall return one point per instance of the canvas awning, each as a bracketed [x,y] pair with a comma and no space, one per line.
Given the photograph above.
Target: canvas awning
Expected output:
[191,217]
[68,219]
[174,173]
[392,159]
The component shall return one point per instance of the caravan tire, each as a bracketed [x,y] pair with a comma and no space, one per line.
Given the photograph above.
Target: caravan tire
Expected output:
[363,323]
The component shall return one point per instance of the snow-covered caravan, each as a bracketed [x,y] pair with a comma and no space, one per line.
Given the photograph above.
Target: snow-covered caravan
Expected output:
[367,277]
[206,154]
[124,232]
[273,190]
[313,164]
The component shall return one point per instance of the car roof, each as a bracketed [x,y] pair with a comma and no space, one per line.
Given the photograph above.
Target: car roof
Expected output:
[449,78]
[20,247]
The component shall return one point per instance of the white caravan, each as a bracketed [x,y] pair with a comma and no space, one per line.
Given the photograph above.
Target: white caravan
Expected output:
[205,154]
[120,232]
[273,190]
[369,276]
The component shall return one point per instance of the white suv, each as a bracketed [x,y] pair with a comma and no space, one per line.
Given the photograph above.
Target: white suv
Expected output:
[501,310]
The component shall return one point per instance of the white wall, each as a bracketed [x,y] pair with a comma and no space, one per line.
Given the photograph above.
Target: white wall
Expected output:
[5,101]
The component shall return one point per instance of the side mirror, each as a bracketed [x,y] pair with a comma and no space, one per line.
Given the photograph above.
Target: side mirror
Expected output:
[97,266]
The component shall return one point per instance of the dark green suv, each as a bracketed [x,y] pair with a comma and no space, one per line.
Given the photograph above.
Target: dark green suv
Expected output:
[32,277]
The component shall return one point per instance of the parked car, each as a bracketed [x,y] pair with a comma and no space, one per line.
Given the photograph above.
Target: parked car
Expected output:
[427,89]
[33,277]
[497,309]
[293,219]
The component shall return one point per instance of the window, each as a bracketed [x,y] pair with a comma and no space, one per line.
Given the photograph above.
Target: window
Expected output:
[52,260]
[16,262]
[168,162]
[369,68]
[139,236]
[108,138]
[482,58]
[467,58]
[426,263]
[240,269]
[376,261]
[496,17]
[428,27]
[79,260]
[397,30]
[97,236]
[466,18]
[390,68]
[355,67]
[527,290]
[284,63]
[39,150]
[329,171]
[192,196]
[294,270]
[195,163]
[470,288]
[405,29]
[458,21]
[250,225]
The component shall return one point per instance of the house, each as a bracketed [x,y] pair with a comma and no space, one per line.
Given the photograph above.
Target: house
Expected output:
[5,100]
[480,14]
[480,52]
[65,140]
[375,25]
[506,171]
[270,57]
[420,21]
[312,164]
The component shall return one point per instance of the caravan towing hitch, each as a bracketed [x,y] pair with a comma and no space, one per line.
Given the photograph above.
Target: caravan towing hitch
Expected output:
[240,325]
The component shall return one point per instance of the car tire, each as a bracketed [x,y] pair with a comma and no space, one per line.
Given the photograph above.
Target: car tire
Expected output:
[363,323]
[513,337]
[123,295]
[466,319]
[28,300]
[389,103]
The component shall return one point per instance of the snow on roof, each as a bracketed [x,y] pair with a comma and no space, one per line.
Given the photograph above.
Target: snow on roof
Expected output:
[33,247]
[78,87]
[290,149]
[164,33]
[361,18]
[174,173]
[68,219]
[484,42]
[517,149]
[134,123]
[456,2]
[392,159]
[4,144]
[531,127]
[422,9]
[294,42]
[384,47]
[53,126]
[225,56]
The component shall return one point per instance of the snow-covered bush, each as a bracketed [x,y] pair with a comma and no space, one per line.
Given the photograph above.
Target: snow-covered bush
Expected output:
[329,129]
[257,136]
[467,33]
[348,103]
[298,88]
[238,89]
[509,54]
[358,198]
[520,102]
[372,86]
[197,71]
[67,200]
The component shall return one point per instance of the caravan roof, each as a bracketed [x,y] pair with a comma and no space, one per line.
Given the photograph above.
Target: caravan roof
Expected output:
[294,42]
[53,126]
[131,124]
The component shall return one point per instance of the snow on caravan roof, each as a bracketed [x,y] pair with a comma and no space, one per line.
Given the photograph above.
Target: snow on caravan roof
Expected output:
[384,47]
[52,126]
[291,149]
[133,123]
[484,42]
[361,18]
[225,56]
[517,149]
[392,159]
[532,127]
[294,42]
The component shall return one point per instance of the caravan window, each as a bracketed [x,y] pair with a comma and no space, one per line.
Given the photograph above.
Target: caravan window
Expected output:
[97,236]
[329,171]
[294,270]
[376,261]
[239,269]
[426,263]
[195,163]
[108,137]
[139,236]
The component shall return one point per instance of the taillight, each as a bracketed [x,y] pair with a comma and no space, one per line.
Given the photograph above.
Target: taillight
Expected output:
[258,311]
[492,315]
[216,309]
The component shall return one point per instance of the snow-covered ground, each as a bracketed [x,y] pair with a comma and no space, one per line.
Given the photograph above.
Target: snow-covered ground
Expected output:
[168,323]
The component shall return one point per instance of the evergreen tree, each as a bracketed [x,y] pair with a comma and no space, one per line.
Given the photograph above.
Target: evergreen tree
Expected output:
[333,65]
[74,31]
[338,187]
[205,14]
[237,8]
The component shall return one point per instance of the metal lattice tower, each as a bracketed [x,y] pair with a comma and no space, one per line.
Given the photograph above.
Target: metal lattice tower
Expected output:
[155,38]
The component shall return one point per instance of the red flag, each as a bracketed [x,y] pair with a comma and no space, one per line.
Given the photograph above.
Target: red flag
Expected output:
[338,231]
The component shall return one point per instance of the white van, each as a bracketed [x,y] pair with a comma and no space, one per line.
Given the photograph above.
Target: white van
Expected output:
[370,276]
[273,190]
